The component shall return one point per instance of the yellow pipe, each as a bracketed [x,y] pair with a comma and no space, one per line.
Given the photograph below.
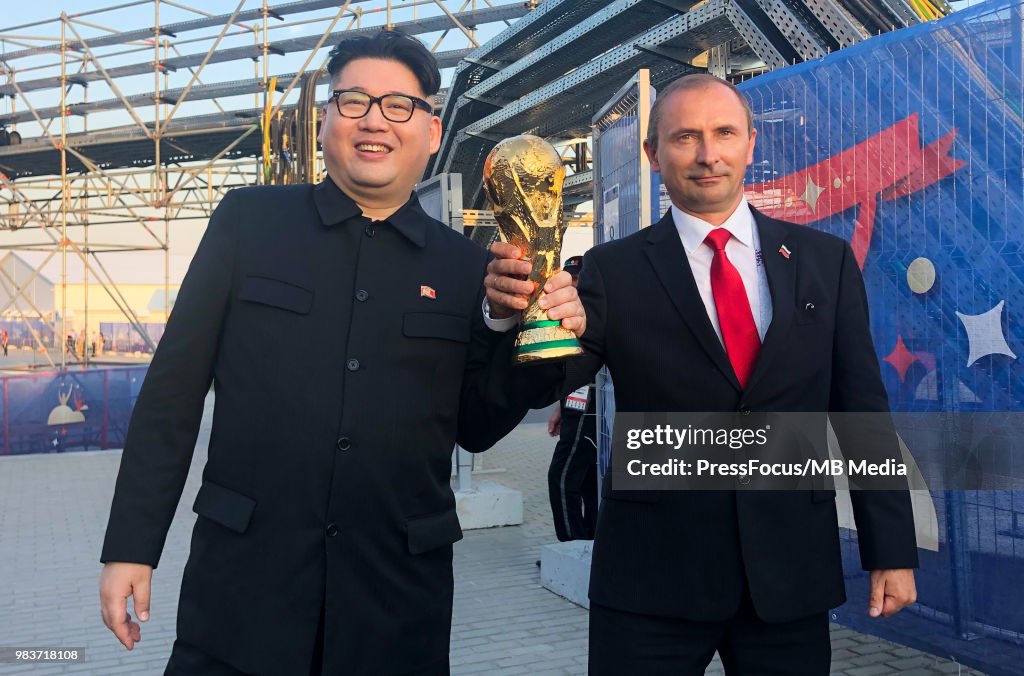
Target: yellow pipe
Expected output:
[267,108]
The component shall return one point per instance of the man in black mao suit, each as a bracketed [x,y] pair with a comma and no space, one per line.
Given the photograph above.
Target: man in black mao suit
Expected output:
[679,575]
[326,518]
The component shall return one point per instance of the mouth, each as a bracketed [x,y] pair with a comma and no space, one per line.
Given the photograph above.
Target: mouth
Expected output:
[707,180]
[373,148]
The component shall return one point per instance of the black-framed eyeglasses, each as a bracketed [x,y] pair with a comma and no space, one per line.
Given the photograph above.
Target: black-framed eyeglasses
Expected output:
[395,107]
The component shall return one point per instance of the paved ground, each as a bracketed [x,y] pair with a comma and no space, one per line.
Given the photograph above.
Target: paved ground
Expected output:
[53,509]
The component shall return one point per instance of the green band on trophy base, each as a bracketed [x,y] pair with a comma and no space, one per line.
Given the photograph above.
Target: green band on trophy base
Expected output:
[546,339]
[540,325]
[572,342]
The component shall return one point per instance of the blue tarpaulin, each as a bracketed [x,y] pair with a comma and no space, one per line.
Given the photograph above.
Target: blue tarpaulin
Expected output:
[909,146]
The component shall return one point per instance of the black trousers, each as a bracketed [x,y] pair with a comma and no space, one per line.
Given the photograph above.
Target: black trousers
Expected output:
[188,660]
[627,643]
[572,477]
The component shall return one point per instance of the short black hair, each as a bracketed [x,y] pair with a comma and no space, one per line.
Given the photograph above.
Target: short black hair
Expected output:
[390,45]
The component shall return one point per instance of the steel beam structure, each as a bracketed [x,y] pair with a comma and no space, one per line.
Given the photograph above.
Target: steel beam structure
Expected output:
[552,88]
[61,177]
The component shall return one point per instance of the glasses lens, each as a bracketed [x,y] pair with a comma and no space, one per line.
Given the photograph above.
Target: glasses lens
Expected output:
[397,108]
[353,104]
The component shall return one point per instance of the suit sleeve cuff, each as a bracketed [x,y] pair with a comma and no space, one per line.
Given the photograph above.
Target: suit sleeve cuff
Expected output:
[499,325]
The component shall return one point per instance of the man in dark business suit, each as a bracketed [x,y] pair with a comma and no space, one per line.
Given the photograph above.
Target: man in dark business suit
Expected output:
[326,516]
[718,308]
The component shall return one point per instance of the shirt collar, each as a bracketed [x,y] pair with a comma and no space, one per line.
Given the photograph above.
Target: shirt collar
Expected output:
[336,207]
[693,231]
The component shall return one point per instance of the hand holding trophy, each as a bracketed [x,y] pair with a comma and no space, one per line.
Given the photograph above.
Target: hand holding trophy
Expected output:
[523,178]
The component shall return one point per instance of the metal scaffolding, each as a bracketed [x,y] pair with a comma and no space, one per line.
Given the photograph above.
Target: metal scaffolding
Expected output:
[192,134]
[551,71]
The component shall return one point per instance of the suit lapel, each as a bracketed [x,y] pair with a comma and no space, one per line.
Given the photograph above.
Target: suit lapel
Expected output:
[781,273]
[665,251]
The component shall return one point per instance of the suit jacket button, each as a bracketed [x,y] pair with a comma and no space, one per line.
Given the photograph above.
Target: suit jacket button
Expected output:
[744,410]
[352,365]
[362,295]
[344,444]
[332,530]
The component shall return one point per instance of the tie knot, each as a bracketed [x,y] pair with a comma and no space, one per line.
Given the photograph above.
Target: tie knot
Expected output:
[717,238]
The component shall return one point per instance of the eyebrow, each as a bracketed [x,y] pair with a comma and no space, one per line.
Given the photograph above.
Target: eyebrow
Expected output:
[363,90]
[688,130]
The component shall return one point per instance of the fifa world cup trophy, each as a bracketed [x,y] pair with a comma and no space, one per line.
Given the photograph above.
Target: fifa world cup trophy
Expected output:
[523,178]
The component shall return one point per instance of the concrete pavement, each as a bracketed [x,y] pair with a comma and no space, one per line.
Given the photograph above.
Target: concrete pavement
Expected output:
[53,509]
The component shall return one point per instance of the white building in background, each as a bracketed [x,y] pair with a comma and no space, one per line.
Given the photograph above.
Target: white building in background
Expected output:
[41,298]
[17,275]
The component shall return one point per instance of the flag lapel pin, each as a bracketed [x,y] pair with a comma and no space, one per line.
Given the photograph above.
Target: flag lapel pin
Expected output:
[427,292]
[786,253]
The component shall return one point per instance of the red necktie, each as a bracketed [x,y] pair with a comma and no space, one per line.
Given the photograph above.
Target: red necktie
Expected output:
[739,332]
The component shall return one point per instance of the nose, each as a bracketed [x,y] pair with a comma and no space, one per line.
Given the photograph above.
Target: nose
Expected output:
[708,152]
[374,119]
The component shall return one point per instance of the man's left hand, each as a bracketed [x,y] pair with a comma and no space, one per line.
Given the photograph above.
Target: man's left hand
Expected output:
[508,291]
[891,591]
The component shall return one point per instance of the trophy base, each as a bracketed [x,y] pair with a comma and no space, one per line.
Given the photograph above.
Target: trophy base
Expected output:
[548,354]
[545,341]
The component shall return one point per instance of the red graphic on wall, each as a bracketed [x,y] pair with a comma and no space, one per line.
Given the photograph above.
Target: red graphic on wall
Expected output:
[889,165]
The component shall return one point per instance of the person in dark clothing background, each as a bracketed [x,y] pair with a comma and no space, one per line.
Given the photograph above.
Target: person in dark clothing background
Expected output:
[572,476]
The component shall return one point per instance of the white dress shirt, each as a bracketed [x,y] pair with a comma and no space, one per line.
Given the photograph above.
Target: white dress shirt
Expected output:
[499,325]
[744,252]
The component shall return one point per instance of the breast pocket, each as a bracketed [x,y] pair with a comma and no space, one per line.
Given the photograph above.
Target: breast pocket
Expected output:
[277,293]
[434,356]
[436,325]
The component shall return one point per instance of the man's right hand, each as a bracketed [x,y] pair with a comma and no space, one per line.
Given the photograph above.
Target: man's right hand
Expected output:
[555,422]
[508,289]
[118,581]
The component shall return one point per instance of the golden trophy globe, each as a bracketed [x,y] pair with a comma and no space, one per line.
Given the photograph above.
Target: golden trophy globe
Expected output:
[523,178]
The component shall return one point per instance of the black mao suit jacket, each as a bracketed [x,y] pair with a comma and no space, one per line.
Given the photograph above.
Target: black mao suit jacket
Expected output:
[688,554]
[347,359]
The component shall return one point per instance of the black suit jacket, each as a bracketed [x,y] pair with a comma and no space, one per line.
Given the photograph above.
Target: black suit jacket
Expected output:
[347,359]
[687,554]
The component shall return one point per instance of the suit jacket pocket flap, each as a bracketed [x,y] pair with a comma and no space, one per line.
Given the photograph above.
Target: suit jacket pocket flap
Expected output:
[284,295]
[436,325]
[433,531]
[225,506]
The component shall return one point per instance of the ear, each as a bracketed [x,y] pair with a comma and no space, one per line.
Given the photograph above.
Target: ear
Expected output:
[750,147]
[435,134]
[652,155]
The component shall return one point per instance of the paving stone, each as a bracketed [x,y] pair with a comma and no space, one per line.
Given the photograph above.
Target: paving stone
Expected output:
[870,670]
[864,648]
[918,661]
[842,653]
[54,508]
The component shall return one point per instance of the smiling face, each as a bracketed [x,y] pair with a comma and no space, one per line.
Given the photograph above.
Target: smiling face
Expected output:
[703,150]
[374,161]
